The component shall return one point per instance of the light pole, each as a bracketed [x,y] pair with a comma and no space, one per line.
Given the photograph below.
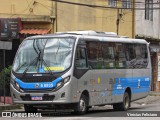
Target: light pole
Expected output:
[4,82]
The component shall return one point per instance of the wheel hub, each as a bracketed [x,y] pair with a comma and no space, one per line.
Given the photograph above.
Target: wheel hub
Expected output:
[82,105]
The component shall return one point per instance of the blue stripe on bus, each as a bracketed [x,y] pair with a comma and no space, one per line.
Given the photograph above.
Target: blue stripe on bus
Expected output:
[38,85]
[137,85]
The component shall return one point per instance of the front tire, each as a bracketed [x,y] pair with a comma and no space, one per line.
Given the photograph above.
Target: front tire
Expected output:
[124,106]
[82,105]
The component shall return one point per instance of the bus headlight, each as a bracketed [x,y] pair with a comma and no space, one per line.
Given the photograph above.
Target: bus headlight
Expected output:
[66,79]
[13,79]
[61,83]
[15,84]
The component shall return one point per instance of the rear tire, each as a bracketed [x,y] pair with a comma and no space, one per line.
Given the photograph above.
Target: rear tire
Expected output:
[124,106]
[30,109]
[81,106]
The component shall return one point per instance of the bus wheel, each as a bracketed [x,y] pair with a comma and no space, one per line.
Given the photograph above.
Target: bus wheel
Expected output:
[81,107]
[124,105]
[30,109]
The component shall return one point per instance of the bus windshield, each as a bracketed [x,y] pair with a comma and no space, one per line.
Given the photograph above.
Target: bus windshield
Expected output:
[43,55]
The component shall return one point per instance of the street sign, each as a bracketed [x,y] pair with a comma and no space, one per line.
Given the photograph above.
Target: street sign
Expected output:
[6,45]
[9,28]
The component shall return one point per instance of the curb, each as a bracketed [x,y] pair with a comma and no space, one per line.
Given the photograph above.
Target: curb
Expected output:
[154,94]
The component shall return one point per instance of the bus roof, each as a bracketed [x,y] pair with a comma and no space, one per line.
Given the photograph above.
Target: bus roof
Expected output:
[91,33]
[100,36]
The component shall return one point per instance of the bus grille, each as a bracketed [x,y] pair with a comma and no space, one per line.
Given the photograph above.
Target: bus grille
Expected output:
[38,79]
[44,98]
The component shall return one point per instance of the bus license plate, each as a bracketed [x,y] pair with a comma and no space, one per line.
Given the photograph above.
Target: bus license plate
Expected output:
[36,98]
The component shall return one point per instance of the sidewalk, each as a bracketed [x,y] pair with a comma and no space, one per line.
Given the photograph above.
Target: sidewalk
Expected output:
[151,98]
[153,93]
[8,106]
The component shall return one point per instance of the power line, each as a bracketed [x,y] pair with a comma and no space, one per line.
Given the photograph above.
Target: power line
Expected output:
[22,10]
[104,7]
[48,7]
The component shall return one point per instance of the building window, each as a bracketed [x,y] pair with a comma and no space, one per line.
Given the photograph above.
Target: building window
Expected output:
[149,10]
[112,3]
[127,3]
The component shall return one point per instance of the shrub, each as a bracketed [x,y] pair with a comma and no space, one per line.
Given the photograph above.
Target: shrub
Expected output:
[5,73]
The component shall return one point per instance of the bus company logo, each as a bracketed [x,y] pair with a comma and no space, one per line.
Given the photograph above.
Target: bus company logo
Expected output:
[6,114]
[37,74]
[36,85]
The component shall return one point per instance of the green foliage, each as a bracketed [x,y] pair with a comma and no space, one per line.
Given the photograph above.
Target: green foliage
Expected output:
[5,74]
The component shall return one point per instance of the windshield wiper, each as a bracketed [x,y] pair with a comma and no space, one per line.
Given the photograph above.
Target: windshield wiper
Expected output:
[21,66]
[29,65]
[57,50]
[39,58]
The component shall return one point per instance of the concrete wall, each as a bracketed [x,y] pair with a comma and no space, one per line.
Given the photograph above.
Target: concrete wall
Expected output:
[16,8]
[147,28]
[70,17]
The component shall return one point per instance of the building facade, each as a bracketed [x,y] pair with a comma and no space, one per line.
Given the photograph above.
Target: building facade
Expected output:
[110,17]
[49,16]
[20,19]
[148,27]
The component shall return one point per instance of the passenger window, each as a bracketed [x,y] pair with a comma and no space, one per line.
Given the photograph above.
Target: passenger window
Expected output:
[120,56]
[141,56]
[108,55]
[81,61]
[130,56]
[94,51]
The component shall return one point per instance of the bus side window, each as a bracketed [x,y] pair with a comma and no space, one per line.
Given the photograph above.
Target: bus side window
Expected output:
[120,56]
[94,52]
[108,55]
[141,56]
[130,56]
[81,61]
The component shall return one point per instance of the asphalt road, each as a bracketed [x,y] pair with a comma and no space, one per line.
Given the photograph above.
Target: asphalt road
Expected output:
[140,110]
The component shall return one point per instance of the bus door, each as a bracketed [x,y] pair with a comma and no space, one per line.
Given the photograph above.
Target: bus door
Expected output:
[81,71]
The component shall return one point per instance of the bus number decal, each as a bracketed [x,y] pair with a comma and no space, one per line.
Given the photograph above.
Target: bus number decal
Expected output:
[46,85]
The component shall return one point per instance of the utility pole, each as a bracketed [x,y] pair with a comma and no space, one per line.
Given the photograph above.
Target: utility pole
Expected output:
[119,16]
[117,21]
[56,27]
[52,17]
[133,19]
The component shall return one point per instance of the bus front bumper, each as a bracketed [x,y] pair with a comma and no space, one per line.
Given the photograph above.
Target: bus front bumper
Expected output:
[58,97]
